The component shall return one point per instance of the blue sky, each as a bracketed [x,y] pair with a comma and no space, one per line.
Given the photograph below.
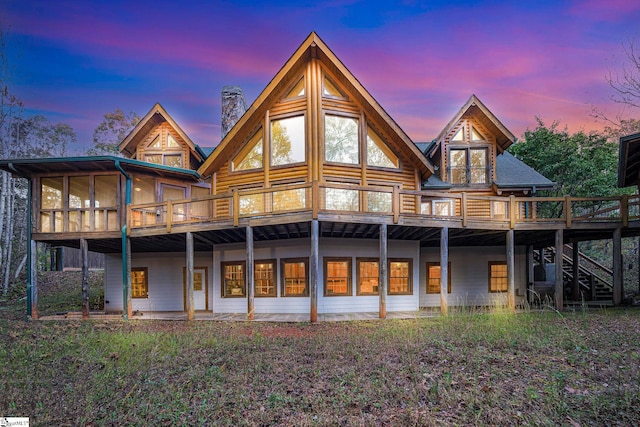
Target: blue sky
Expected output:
[74,61]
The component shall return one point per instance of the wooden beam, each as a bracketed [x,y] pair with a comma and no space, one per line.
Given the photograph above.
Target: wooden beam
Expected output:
[383,273]
[314,271]
[444,270]
[128,312]
[511,267]
[575,259]
[618,282]
[250,276]
[530,273]
[191,313]
[32,284]
[84,261]
[559,288]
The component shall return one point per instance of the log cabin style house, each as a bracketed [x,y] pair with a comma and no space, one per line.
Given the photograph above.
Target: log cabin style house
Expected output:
[317,202]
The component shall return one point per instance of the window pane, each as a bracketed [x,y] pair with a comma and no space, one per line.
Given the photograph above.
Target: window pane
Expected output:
[253,158]
[341,139]
[79,192]
[295,277]
[378,154]
[368,277]
[329,89]
[475,135]
[338,277]
[458,159]
[173,160]
[51,195]
[153,158]
[233,280]
[139,283]
[433,278]
[156,143]
[478,157]
[106,187]
[144,190]
[288,141]
[378,201]
[251,204]
[399,277]
[497,277]
[297,90]
[172,143]
[289,199]
[264,279]
[338,199]
[200,210]
[459,136]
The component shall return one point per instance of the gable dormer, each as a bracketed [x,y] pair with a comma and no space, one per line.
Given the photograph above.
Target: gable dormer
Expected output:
[158,139]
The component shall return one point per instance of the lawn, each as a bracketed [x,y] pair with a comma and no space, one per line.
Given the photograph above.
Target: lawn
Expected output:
[536,368]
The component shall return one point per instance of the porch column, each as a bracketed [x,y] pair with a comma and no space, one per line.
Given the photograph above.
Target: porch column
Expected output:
[191,314]
[511,281]
[128,301]
[618,282]
[575,260]
[314,271]
[530,273]
[559,284]
[32,280]
[444,270]
[250,276]
[383,273]
[84,261]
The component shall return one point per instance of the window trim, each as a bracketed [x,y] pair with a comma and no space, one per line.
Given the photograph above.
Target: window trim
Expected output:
[467,149]
[274,279]
[146,282]
[222,278]
[349,261]
[437,264]
[345,115]
[292,114]
[359,276]
[283,278]
[498,291]
[409,277]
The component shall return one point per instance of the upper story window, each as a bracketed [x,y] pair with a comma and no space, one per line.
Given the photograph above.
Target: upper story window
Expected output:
[341,139]
[288,142]
[163,149]
[296,91]
[469,157]
[251,156]
[378,154]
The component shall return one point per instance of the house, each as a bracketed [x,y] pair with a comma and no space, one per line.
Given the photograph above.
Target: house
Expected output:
[316,202]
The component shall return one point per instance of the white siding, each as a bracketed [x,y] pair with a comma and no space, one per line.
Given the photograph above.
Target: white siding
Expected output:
[470,275]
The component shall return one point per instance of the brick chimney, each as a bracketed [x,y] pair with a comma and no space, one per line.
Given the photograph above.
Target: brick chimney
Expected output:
[233,107]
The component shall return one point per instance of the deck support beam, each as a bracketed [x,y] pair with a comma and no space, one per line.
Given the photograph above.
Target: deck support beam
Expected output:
[559,288]
[128,306]
[575,260]
[511,264]
[444,270]
[32,281]
[250,276]
[191,313]
[618,282]
[383,272]
[84,261]
[314,271]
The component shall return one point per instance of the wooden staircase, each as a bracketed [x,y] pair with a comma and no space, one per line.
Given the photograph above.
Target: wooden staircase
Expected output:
[595,281]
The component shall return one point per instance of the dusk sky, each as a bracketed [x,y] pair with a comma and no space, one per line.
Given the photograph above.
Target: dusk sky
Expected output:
[74,61]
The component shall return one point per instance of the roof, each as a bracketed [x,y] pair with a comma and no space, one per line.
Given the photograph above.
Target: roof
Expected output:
[312,47]
[514,173]
[629,160]
[30,167]
[155,116]
[474,107]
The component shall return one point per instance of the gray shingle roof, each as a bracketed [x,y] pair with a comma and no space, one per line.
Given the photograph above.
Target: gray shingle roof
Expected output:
[511,172]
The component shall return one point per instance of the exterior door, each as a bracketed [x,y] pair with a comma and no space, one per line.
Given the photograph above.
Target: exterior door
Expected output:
[173,192]
[200,288]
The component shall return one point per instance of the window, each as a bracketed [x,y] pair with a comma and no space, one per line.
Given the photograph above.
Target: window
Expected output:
[251,156]
[285,200]
[497,276]
[341,139]
[337,276]
[339,199]
[139,282]
[400,273]
[330,90]
[264,273]
[378,154]
[296,91]
[434,275]
[368,271]
[295,277]
[288,141]
[233,279]
[468,166]
[437,207]
[173,160]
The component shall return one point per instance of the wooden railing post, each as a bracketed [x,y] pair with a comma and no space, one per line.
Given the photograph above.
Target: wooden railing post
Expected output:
[315,199]
[624,210]
[169,215]
[236,208]
[463,208]
[567,210]
[396,204]
[512,211]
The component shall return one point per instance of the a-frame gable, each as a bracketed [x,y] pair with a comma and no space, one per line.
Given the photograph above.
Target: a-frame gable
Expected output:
[341,85]
[157,138]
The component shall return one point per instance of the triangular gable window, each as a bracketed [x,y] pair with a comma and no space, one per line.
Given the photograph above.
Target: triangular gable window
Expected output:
[297,90]
[476,135]
[156,143]
[251,157]
[459,136]
[378,153]
[331,90]
[172,143]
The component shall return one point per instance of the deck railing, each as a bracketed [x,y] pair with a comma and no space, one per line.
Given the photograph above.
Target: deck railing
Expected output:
[343,199]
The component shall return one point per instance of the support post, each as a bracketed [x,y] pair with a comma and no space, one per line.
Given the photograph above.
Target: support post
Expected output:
[84,260]
[383,273]
[128,306]
[575,260]
[191,313]
[530,274]
[314,271]
[618,282]
[511,264]
[250,276]
[559,288]
[32,281]
[444,270]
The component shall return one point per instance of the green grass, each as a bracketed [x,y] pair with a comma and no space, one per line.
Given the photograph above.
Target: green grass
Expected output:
[470,368]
